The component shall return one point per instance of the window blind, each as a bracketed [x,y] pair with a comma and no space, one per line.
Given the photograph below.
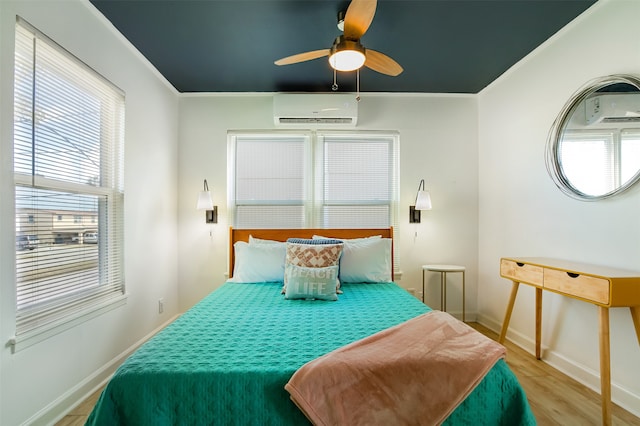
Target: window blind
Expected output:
[358,184]
[629,154]
[68,172]
[270,181]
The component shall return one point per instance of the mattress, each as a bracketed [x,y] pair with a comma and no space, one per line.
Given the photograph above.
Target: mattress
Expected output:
[226,360]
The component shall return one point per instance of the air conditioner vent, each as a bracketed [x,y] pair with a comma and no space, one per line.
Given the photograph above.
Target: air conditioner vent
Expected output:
[621,120]
[311,120]
[315,109]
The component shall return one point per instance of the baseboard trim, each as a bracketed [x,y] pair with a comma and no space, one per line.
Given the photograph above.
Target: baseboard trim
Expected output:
[65,403]
[468,316]
[579,372]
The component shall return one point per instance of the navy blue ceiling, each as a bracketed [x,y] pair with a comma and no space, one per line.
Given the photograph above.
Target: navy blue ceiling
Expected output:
[445,46]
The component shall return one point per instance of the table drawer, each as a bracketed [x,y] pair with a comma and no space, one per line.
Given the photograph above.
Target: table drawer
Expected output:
[583,286]
[522,272]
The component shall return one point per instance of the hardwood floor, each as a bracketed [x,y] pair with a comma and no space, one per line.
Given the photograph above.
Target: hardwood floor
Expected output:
[78,416]
[556,400]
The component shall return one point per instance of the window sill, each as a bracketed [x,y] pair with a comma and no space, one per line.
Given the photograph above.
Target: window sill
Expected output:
[17,343]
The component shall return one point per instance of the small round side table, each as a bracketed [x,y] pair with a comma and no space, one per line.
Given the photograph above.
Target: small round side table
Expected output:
[444,269]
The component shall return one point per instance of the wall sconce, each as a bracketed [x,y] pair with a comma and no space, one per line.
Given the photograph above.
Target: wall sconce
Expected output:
[423,202]
[205,202]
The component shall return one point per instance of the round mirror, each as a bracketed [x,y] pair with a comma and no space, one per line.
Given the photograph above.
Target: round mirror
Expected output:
[593,149]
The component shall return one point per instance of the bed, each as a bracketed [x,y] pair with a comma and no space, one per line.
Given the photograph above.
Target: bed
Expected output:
[227,360]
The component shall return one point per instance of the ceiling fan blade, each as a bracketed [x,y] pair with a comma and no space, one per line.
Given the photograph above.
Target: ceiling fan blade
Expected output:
[301,57]
[358,18]
[382,63]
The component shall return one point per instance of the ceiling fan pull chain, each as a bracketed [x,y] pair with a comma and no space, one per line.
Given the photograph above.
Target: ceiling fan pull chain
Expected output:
[334,87]
[358,85]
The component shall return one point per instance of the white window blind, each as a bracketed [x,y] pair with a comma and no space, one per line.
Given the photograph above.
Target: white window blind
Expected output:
[68,172]
[358,181]
[270,181]
[629,154]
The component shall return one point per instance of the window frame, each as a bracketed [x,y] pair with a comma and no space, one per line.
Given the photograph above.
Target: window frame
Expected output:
[304,137]
[392,139]
[37,322]
[314,202]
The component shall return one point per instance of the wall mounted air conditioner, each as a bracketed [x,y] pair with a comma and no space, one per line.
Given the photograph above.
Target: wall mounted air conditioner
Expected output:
[315,109]
[613,108]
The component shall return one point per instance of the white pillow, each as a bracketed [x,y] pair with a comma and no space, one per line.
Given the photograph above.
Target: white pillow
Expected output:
[253,240]
[257,263]
[365,260]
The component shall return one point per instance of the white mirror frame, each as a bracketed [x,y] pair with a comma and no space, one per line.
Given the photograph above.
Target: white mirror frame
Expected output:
[555,136]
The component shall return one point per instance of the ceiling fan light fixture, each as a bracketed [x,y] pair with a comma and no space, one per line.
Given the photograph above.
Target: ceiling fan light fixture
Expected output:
[346,55]
[347,60]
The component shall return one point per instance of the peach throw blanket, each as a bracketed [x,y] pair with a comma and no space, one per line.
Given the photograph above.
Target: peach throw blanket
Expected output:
[415,373]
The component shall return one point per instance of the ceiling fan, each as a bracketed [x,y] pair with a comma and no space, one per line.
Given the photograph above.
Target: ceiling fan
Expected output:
[347,53]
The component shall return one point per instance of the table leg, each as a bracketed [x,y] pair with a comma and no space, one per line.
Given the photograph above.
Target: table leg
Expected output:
[463,297]
[538,320]
[605,372]
[507,315]
[635,315]
[443,291]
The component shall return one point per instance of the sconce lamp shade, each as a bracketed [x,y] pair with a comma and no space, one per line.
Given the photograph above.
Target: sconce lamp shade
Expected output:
[205,201]
[423,200]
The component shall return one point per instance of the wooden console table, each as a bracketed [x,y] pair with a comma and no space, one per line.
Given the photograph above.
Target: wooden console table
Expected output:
[601,286]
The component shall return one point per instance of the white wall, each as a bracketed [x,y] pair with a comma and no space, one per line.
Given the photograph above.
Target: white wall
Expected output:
[39,382]
[522,213]
[174,142]
[438,143]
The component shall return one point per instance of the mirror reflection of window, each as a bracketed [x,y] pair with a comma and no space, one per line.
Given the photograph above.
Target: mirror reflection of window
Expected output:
[597,163]
[629,154]
[588,161]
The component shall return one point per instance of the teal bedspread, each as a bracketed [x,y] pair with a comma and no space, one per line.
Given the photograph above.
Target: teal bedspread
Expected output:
[226,360]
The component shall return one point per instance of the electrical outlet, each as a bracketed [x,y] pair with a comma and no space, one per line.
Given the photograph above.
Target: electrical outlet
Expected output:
[160,306]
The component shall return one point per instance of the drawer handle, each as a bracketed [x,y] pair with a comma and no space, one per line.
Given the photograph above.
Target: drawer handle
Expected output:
[572,275]
[520,264]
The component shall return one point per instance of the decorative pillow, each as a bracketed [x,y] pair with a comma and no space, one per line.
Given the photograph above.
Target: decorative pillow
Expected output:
[365,260]
[311,283]
[256,263]
[311,253]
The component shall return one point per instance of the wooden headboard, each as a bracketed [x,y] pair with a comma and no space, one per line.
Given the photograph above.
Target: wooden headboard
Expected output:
[283,234]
